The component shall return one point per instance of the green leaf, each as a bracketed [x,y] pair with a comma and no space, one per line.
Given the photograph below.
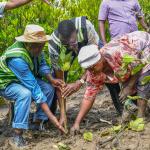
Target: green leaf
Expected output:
[88,136]
[116,128]
[62,146]
[133,97]
[137,69]
[145,80]
[68,57]
[105,133]
[62,56]
[128,59]
[66,66]
[137,125]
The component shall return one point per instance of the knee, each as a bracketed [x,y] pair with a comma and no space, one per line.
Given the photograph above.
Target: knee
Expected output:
[26,94]
[50,89]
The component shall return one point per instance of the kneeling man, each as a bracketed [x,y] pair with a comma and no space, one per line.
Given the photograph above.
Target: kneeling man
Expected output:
[22,67]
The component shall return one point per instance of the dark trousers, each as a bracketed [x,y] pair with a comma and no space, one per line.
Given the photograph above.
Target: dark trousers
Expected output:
[114,90]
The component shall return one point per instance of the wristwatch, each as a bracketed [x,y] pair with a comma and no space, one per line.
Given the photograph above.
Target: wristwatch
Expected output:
[82,81]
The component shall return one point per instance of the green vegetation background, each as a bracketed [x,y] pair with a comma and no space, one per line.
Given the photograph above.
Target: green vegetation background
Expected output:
[47,16]
[40,13]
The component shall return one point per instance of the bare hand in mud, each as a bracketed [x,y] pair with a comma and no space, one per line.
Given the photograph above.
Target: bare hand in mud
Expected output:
[61,128]
[58,125]
[75,130]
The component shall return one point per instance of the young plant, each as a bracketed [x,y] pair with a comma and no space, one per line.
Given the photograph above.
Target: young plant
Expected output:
[128,60]
[64,63]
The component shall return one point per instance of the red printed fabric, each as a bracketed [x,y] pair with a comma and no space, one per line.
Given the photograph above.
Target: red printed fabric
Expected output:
[136,44]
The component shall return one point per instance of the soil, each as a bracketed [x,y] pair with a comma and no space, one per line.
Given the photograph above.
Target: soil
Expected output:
[102,109]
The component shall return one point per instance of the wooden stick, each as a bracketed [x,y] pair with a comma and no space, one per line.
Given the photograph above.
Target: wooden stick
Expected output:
[105,121]
[63,110]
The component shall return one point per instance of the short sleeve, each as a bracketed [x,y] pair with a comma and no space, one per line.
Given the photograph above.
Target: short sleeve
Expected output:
[93,37]
[54,56]
[103,11]
[94,85]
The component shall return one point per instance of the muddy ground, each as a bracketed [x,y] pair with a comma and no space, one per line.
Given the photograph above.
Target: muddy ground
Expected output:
[102,109]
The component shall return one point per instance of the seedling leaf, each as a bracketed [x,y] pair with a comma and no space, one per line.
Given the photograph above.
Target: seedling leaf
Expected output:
[88,136]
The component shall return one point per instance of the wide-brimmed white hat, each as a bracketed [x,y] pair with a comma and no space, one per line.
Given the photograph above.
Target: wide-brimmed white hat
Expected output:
[33,34]
[88,56]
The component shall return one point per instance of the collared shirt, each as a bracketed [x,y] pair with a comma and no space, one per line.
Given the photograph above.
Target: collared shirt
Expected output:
[136,44]
[121,15]
[2,6]
[26,77]
[93,38]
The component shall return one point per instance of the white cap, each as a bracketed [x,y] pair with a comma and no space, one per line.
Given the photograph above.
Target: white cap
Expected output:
[88,56]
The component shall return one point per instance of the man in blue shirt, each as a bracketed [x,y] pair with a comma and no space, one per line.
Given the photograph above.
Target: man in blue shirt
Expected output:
[21,68]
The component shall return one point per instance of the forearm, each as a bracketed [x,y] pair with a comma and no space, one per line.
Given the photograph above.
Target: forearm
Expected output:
[84,76]
[15,3]
[102,31]
[84,109]
[49,78]
[49,114]
[144,25]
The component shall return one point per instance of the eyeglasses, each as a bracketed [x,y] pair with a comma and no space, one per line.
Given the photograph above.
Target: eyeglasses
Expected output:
[66,43]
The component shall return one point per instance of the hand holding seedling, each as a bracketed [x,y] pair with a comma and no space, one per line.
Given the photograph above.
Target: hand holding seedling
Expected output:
[58,83]
[64,63]
[71,88]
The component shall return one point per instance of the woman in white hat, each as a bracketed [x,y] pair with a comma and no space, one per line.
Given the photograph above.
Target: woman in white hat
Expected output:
[105,66]
[22,67]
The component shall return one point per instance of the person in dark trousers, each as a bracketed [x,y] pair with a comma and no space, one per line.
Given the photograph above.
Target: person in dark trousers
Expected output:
[73,34]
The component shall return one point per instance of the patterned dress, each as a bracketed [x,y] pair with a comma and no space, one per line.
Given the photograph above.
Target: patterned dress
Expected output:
[136,44]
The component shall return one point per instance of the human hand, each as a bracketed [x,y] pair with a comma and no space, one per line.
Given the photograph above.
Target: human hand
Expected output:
[58,83]
[75,129]
[71,88]
[58,125]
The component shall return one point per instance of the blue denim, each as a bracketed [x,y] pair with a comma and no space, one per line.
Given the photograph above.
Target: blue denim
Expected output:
[27,78]
[22,98]
[100,44]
